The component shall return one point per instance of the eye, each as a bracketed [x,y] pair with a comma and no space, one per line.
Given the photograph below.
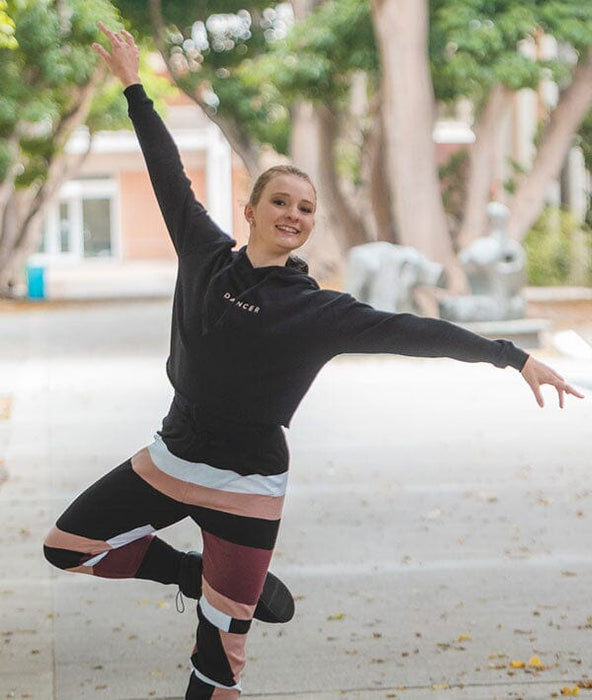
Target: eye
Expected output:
[278,201]
[306,210]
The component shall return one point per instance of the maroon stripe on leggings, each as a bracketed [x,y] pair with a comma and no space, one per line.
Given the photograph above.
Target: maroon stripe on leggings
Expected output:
[234,570]
[125,561]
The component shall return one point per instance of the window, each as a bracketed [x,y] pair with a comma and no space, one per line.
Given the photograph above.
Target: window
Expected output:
[96,227]
[81,225]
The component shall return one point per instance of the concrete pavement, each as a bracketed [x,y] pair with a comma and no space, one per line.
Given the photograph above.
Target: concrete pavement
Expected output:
[436,534]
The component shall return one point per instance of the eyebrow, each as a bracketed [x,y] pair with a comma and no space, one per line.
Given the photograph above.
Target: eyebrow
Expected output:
[287,194]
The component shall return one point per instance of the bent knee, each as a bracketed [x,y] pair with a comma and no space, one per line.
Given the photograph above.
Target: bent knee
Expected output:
[58,550]
[62,558]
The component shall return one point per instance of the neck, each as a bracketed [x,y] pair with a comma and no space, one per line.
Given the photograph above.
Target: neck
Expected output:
[261,258]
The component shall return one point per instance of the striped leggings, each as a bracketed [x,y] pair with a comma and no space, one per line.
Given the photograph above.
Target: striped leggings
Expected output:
[109,531]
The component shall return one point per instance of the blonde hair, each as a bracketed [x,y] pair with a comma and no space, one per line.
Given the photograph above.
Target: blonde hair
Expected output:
[268,175]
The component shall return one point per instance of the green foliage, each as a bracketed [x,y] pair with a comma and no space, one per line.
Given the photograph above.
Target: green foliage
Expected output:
[212,45]
[549,248]
[453,179]
[510,184]
[7,40]
[249,65]
[475,44]
[41,76]
[584,140]
[322,52]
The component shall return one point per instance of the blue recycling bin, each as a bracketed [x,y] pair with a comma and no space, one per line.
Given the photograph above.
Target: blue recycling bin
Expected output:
[35,282]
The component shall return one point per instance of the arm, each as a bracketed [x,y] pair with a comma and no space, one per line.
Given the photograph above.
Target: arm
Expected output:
[186,219]
[357,327]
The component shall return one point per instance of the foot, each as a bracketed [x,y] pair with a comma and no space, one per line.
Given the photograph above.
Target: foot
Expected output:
[275,603]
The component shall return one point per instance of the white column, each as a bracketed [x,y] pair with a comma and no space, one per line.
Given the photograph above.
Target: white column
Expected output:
[219,179]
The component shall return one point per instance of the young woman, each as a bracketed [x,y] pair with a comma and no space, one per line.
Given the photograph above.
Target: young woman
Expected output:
[250,331]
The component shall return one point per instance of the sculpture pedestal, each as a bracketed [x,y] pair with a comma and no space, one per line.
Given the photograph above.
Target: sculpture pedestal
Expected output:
[524,332]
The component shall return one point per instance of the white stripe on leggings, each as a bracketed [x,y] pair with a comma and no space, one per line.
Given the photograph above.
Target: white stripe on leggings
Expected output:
[205,679]
[219,619]
[214,478]
[121,540]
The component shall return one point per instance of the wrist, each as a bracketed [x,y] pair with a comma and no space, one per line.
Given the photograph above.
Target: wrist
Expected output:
[131,79]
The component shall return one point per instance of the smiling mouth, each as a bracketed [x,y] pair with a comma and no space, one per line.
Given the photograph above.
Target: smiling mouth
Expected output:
[288,229]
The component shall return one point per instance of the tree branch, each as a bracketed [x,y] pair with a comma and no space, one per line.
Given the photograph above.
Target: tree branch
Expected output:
[481,165]
[238,138]
[563,122]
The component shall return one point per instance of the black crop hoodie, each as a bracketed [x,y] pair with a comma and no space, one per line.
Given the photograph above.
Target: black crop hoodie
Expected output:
[247,342]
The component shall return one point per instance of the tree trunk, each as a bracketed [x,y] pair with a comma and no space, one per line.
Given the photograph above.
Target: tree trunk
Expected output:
[401,28]
[324,253]
[21,215]
[481,166]
[248,151]
[379,186]
[349,222]
[563,123]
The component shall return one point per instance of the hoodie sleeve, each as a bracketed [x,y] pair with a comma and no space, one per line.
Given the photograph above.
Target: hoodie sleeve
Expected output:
[186,219]
[355,327]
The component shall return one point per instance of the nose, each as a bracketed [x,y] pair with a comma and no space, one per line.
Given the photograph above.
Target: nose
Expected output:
[293,213]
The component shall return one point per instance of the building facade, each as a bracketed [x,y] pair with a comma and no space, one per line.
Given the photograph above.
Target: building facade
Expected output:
[104,235]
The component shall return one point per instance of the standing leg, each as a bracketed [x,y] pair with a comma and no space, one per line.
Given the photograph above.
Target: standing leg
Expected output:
[233,578]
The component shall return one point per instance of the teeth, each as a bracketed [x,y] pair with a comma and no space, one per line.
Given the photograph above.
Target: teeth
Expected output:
[289,229]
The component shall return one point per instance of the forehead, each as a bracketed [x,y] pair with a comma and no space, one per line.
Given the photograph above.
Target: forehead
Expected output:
[292,185]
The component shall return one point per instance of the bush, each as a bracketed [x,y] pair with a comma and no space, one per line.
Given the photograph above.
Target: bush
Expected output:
[553,256]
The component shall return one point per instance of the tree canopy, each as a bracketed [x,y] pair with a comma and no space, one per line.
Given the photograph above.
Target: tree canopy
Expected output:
[251,65]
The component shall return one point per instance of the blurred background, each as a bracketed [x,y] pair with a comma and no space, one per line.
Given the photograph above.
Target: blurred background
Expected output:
[411,116]
[450,142]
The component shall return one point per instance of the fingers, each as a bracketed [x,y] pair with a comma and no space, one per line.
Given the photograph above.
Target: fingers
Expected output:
[116,38]
[97,48]
[537,374]
[537,395]
[107,32]
[574,392]
[128,37]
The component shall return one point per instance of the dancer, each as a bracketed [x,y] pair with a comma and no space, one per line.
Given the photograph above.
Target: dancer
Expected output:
[250,331]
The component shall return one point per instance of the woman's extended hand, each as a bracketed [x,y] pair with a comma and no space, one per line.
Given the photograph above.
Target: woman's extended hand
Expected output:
[537,373]
[123,61]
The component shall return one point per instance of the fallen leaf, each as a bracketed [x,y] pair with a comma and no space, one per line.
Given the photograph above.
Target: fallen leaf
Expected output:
[466,637]
[517,664]
[5,407]
[535,662]
[337,616]
[566,690]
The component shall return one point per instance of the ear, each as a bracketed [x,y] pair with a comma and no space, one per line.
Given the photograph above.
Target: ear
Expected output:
[248,213]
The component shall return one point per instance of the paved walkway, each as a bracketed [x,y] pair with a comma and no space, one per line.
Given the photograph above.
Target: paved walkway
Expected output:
[437,528]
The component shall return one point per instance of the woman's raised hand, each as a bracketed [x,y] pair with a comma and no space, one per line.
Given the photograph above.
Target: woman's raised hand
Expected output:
[537,373]
[123,60]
